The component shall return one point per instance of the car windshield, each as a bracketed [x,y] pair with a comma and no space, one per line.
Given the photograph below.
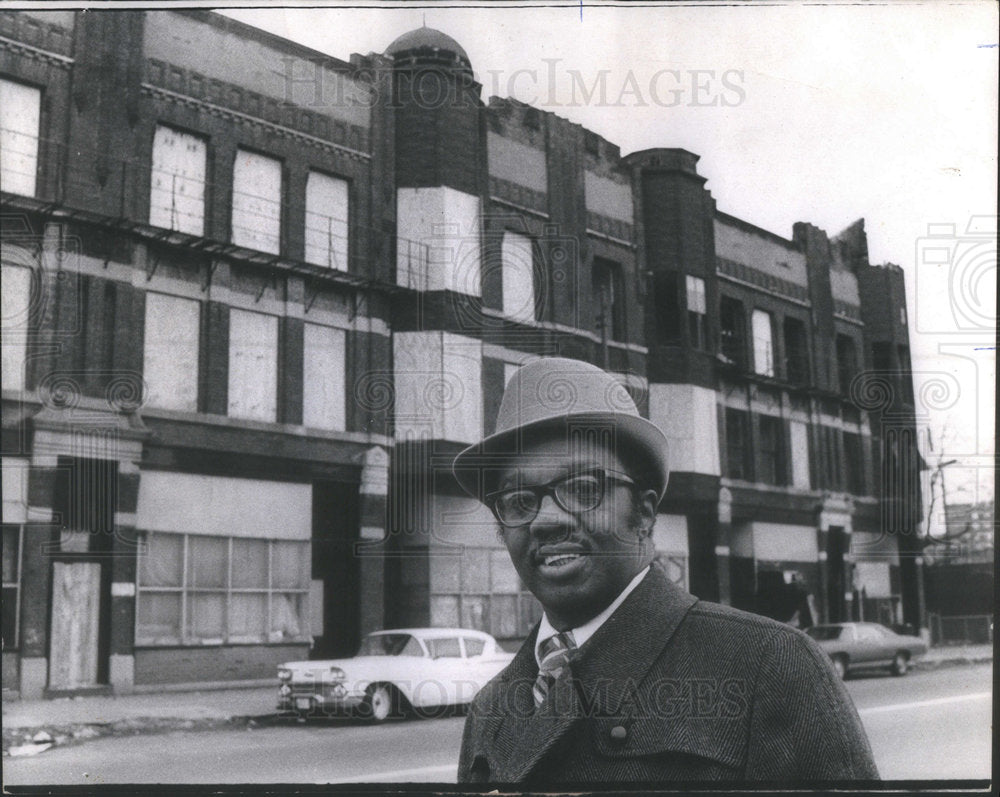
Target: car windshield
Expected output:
[390,645]
[825,632]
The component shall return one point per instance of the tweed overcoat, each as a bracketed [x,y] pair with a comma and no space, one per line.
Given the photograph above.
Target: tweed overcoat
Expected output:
[671,688]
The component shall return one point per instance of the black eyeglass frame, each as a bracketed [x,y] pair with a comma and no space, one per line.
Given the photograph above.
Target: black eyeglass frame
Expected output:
[549,488]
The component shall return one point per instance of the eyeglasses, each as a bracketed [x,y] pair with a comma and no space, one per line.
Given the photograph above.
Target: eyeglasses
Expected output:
[582,491]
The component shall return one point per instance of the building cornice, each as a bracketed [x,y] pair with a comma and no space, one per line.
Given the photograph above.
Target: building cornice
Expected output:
[36,54]
[237,116]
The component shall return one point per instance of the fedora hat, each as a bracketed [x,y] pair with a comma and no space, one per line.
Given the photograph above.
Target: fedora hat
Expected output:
[562,395]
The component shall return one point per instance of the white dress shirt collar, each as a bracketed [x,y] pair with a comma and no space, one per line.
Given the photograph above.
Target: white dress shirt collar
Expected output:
[589,628]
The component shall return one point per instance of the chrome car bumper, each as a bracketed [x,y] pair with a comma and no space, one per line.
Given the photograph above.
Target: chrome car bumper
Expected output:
[333,700]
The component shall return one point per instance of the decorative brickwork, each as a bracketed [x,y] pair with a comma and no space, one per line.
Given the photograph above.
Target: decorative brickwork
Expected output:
[238,104]
[518,195]
[37,33]
[752,276]
[612,228]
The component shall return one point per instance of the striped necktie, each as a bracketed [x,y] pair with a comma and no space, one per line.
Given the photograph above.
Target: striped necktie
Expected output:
[554,653]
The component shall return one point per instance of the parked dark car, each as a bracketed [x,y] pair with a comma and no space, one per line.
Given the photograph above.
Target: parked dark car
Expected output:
[859,646]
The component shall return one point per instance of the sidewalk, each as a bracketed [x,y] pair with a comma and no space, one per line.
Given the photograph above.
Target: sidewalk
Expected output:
[31,726]
[954,654]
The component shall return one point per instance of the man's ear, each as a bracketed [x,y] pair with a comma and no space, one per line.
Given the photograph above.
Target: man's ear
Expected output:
[647,511]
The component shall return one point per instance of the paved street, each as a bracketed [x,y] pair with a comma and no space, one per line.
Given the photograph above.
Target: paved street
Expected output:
[927,725]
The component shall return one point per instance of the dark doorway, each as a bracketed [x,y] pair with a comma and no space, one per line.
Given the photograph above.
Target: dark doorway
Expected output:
[836,548]
[703,572]
[84,501]
[335,533]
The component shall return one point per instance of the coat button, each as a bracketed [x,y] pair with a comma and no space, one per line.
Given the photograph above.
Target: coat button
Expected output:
[618,733]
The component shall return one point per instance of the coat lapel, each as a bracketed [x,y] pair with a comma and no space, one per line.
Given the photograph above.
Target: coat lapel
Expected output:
[525,735]
[613,662]
[602,676]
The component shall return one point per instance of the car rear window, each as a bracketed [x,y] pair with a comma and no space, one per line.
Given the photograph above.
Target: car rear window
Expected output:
[474,647]
[390,645]
[444,648]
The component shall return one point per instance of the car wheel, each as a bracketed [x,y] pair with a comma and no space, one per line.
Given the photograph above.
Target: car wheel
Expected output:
[901,664]
[380,703]
[840,666]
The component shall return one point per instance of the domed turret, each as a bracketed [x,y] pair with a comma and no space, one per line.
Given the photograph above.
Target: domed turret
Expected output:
[427,46]
[435,95]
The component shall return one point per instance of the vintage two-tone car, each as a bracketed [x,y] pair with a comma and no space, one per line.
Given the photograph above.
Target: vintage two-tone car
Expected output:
[395,672]
[859,646]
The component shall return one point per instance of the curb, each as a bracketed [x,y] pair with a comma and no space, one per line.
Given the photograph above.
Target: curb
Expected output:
[934,664]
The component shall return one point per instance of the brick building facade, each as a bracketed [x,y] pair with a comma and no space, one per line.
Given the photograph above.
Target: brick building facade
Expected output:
[253,306]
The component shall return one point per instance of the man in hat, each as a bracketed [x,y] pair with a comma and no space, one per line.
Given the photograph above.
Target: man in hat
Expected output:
[627,677]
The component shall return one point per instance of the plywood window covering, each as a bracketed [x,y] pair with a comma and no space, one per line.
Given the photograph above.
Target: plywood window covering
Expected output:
[324,378]
[20,118]
[763,343]
[696,306]
[800,454]
[257,202]
[170,352]
[204,590]
[177,181]
[327,213]
[16,306]
[518,276]
[253,365]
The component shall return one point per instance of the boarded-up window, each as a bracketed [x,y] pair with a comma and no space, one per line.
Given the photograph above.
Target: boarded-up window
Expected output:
[257,202]
[326,221]
[763,344]
[253,365]
[177,182]
[208,589]
[20,116]
[323,390]
[16,305]
[518,277]
[800,453]
[696,306]
[170,352]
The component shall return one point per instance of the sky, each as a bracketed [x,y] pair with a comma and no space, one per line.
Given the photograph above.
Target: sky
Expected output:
[819,113]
